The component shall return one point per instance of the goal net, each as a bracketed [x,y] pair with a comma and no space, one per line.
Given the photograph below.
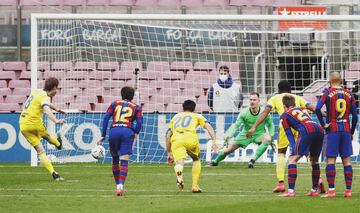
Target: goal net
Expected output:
[171,58]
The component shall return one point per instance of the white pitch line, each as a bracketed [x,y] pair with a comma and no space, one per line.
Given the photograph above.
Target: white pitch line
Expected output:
[148,174]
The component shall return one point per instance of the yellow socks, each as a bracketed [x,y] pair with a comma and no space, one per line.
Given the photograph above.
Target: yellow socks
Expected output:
[46,163]
[196,170]
[280,167]
[53,140]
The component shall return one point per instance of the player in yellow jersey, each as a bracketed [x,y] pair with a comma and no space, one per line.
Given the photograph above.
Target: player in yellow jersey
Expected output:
[32,125]
[181,139]
[275,103]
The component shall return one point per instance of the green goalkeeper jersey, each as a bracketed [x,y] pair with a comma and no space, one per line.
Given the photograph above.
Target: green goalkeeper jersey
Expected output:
[248,119]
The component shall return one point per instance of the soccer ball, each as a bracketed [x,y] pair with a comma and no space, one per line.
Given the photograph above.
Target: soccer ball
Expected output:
[98,152]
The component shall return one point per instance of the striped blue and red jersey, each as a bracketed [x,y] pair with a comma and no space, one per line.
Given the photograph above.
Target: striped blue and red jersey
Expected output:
[339,104]
[298,119]
[124,114]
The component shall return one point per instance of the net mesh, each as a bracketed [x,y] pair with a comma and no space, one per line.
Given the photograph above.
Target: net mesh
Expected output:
[171,61]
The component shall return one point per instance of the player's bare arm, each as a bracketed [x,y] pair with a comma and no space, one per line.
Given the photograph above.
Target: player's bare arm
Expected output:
[57,109]
[211,132]
[51,116]
[261,119]
[168,147]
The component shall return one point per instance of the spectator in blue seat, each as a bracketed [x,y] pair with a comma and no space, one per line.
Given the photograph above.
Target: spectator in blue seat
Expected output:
[225,95]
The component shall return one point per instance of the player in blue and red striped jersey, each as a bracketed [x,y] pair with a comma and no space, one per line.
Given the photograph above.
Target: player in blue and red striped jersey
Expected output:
[126,125]
[339,104]
[310,140]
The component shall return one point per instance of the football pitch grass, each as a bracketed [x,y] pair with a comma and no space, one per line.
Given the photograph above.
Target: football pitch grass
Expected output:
[230,187]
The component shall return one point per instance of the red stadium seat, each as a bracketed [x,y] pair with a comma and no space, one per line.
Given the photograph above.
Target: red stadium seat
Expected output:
[354,66]
[19,99]
[8,2]
[85,66]
[202,108]
[101,107]
[287,2]
[145,2]
[171,75]
[53,2]
[181,99]
[173,108]
[113,92]
[74,2]
[21,91]
[29,2]
[80,106]
[108,84]
[352,75]
[202,79]
[158,66]
[204,66]
[108,66]
[252,2]
[77,75]
[86,99]
[5,91]
[193,92]
[149,75]
[7,75]
[183,66]
[222,3]
[100,75]
[19,84]
[64,66]
[56,74]
[121,2]
[3,84]
[169,3]
[122,75]
[14,66]
[165,99]
[89,84]
[94,91]
[42,66]
[97,2]
[109,99]
[63,99]
[67,84]
[191,3]
[130,66]
[1,66]
[72,91]
[9,107]
[147,92]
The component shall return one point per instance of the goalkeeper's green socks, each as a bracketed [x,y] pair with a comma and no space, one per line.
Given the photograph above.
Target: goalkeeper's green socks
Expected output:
[260,150]
[221,156]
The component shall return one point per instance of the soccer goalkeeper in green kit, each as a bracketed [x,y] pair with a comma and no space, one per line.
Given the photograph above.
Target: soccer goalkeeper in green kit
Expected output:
[247,118]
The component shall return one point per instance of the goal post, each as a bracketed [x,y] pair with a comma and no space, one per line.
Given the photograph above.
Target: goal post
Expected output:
[177,57]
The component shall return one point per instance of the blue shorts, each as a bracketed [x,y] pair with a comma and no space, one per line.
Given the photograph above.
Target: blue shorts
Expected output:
[121,140]
[308,143]
[338,143]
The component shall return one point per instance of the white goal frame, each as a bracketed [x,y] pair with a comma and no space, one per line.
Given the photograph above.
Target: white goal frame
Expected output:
[175,17]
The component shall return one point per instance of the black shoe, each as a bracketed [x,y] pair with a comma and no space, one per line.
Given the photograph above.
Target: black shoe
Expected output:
[57,177]
[251,164]
[59,138]
[211,164]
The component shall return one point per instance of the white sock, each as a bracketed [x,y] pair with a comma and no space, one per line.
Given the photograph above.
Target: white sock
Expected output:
[119,186]
[291,190]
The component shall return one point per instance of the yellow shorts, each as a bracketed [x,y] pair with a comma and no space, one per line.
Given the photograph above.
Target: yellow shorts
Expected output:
[283,141]
[180,146]
[33,133]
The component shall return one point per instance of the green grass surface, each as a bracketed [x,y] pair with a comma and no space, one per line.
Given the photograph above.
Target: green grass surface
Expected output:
[151,188]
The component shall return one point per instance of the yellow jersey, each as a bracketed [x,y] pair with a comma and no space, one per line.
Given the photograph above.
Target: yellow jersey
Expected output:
[186,122]
[276,103]
[33,107]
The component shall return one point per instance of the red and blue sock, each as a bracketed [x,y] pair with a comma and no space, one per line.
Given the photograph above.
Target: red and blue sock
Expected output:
[116,169]
[292,175]
[330,175]
[315,176]
[348,174]
[123,171]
